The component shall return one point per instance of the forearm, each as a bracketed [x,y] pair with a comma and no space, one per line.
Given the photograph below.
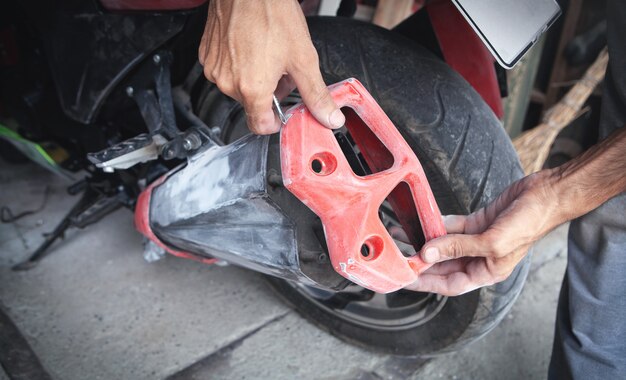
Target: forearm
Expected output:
[591,179]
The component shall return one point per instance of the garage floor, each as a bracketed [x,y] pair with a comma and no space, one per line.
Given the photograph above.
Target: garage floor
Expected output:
[94,309]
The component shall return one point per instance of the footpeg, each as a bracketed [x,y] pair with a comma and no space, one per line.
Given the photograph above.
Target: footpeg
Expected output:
[316,171]
[141,148]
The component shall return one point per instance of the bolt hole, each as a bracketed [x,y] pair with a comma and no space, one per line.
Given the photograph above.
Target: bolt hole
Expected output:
[372,247]
[365,250]
[317,166]
[323,163]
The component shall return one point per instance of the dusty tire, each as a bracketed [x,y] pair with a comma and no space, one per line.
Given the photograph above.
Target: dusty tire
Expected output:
[467,157]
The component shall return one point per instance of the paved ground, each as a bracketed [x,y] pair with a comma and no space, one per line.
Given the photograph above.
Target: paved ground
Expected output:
[95,309]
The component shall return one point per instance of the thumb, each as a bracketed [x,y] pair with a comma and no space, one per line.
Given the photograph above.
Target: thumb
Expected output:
[453,247]
[316,96]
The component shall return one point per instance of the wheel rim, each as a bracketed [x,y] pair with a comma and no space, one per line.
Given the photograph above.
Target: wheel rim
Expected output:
[396,311]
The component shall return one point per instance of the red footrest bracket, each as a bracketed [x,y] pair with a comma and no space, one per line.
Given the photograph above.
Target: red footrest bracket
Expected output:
[316,171]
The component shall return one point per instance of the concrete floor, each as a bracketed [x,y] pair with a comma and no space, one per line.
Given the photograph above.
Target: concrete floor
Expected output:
[94,309]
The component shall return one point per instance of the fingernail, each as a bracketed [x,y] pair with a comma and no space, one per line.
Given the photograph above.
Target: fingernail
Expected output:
[336,118]
[431,255]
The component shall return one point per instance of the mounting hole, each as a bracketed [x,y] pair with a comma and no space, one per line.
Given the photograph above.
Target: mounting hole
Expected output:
[323,163]
[372,247]
[316,165]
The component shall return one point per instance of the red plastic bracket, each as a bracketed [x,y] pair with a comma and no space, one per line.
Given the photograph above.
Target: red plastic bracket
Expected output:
[317,172]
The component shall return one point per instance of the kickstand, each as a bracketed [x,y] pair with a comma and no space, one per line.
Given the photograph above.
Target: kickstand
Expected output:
[91,207]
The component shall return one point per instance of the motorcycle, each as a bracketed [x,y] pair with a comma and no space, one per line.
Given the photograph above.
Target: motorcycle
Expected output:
[116,87]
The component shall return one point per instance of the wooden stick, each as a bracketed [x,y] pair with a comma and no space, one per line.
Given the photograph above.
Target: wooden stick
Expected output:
[533,146]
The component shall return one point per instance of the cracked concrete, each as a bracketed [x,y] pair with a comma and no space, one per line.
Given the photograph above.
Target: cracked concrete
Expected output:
[95,309]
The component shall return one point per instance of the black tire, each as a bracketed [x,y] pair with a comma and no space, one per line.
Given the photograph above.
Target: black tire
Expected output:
[467,157]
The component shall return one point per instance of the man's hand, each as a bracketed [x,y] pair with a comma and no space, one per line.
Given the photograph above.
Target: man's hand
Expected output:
[484,247]
[252,49]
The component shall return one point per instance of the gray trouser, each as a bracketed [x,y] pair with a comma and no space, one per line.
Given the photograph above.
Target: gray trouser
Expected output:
[590,332]
[590,336]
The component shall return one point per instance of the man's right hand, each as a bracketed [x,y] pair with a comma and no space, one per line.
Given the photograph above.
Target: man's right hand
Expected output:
[253,49]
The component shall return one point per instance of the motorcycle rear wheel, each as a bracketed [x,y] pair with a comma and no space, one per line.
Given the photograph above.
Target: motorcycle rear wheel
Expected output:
[468,159]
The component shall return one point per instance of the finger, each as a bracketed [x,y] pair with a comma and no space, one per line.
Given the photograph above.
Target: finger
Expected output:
[286,85]
[210,45]
[454,246]
[450,266]
[204,42]
[316,96]
[453,284]
[399,234]
[260,116]
[455,224]
[474,223]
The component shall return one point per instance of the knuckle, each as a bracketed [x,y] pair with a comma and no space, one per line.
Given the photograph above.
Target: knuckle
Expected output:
[266,130]
[249,90]
[501,277]
[320,96]
[254,127]
[209,73]
[500,248]
[225,87]
[496,247]
[455,249]
[261,124]
[214,75]
[307,59]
